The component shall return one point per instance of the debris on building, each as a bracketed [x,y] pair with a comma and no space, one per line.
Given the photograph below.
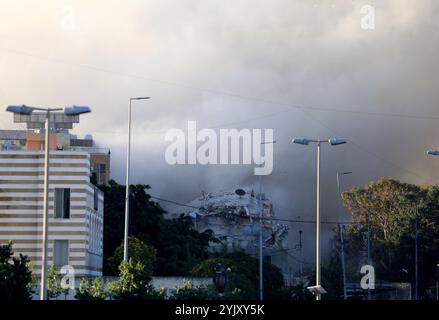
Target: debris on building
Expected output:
[234,219]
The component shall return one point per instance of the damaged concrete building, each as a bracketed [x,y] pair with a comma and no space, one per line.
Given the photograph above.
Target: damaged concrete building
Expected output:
[234,219]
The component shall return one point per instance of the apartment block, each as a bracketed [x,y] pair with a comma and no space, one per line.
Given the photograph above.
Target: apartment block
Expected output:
[76,206]
[32,140]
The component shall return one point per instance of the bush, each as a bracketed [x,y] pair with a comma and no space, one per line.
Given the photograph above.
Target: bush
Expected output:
[91,289]
[134,283]
[16,279]
[53,287]
[187,291]
[243,279]
[138,252]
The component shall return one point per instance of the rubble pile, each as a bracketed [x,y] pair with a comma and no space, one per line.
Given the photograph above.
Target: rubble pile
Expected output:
[234,219]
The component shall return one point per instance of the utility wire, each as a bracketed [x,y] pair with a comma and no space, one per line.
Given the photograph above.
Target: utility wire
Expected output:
[173,202]
[257,218]
[212,91]
[238,96]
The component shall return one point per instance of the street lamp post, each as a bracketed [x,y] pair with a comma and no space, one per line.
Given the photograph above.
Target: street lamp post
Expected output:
[261,217]
[437,282]
[342,227]
[127,182]
[369,261]
[301,257]
[318,289]
[27,111]
[430,153]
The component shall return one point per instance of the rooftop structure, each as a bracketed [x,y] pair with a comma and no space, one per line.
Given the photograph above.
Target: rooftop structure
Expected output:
[60,139]
[75,209]
[234,219]
[55,217]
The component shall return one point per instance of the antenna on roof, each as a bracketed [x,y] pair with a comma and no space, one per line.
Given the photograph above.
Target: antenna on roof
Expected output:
[240,192]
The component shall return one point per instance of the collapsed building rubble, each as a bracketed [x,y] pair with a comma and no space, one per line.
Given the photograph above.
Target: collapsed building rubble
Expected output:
[234,219]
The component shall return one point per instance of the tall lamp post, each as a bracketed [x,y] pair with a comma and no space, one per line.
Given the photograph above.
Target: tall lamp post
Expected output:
[318,290]
[342,227]
[127,182]
[437,282]
[24,110]
[432,153]
[261,217]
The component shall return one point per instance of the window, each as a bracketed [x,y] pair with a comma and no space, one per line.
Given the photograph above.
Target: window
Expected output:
[96,199]
[61,253]
[102,173]
[62,203]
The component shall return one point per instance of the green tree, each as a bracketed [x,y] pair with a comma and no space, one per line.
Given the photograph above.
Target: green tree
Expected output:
[331,279]
[188,291]
[394,208]
[91,289]
[138,252]
[53,283]
[15,275]
[134,283]
[244,275]
[179,246]
[390,204]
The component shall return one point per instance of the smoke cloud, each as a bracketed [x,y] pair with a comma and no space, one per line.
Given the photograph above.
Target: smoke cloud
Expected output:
[302,68]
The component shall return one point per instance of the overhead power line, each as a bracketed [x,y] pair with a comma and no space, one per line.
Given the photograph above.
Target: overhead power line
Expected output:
[257,218]
[304,109]
[216,92]
[173,202]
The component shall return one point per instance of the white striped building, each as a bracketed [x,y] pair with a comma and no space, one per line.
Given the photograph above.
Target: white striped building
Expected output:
[75,209]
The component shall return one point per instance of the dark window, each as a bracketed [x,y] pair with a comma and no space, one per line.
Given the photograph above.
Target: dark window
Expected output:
[96,199]
[102,173]
[61,253]
[62,203]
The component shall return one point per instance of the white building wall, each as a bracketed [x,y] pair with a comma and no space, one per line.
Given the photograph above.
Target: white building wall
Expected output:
[21,207]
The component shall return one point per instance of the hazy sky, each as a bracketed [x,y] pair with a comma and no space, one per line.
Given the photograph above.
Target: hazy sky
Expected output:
[245,64]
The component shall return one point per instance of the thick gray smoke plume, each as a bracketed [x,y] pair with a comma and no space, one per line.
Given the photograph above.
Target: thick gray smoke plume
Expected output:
[303,68]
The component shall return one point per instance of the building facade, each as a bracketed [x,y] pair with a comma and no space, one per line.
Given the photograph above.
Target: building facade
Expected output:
[234,220]
[61,140]
[75,229]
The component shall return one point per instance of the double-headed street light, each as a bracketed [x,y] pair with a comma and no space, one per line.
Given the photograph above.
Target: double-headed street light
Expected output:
[24,110]
[127,182]
[318,290]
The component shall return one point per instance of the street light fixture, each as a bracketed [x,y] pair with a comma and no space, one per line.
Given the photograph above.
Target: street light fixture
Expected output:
[127,190]
[76,110]
[27,111]
[433,152]
[318,290]
[23,109]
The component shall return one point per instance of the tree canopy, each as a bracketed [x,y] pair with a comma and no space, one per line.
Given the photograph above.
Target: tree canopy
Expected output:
[15,275]
[396,211]
[244,274]
[179,246]
[137,251]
